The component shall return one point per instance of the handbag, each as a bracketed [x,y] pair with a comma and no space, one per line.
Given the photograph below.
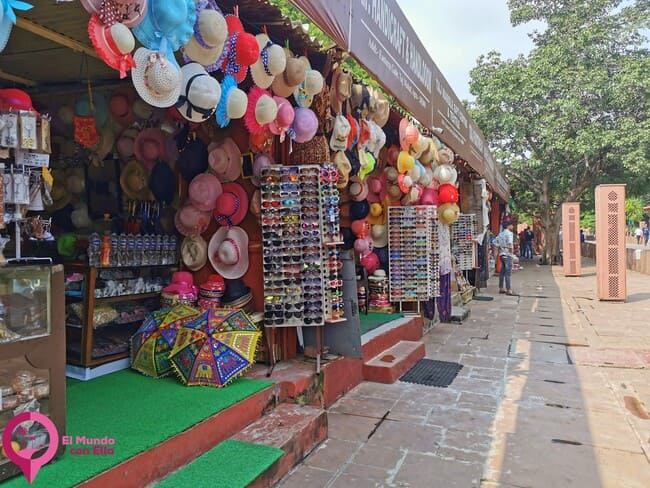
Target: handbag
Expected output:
[85,130]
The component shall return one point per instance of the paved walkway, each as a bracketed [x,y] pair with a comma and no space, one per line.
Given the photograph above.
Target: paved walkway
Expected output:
[554,392]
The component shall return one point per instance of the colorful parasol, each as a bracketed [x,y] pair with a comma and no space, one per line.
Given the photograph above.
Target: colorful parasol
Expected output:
[151,344]
[215,348]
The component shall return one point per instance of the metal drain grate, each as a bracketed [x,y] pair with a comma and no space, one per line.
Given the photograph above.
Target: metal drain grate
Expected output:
[432,373]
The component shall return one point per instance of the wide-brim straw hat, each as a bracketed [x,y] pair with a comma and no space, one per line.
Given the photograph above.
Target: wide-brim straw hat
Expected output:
[194,252]
[156,78]
[228,252]
[134,181]
[271,63]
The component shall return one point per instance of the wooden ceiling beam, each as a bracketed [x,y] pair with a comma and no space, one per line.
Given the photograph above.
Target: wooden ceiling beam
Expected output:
[55,37]
[16,79]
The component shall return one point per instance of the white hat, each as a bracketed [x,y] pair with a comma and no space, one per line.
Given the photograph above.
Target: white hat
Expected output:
[156,79]
[200,95]
[358,189]
[213,30]
[228,252]
[445,173]
[271,62]
[340,132]
[379,233]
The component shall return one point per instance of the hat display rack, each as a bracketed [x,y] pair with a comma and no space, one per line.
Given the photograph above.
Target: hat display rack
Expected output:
[24,154]
[463,234]
[413,249]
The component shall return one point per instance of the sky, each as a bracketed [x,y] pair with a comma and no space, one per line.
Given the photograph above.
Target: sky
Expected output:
[457,32]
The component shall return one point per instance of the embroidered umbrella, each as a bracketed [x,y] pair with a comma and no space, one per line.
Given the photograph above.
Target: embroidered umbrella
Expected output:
[215,348]
[152,342]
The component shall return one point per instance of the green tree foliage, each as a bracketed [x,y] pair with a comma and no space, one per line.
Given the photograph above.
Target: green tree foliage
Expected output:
[574,112]
[634,209]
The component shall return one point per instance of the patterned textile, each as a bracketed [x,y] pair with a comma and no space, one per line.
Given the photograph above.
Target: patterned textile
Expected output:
[444,300]
[445,248]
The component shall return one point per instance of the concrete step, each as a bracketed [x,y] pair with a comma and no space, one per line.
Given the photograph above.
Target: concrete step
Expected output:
[294,429]
[389,365]
[408,328]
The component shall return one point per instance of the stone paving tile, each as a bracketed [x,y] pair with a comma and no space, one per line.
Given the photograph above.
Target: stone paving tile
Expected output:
[478,402]
[350,480]
[331,454]
[415,411]
[613,358]
[421,471]
[375,390]
[363,406]
[349,427]
[378,456]
[304,476]
[538,351]
[404,435]
[460,419]
[476,385]
[619,468]
[471,441]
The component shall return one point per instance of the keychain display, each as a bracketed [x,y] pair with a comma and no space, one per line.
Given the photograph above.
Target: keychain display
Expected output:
[414,253]
[28,134]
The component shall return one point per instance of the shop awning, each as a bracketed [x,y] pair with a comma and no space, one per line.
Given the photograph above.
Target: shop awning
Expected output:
[381,39]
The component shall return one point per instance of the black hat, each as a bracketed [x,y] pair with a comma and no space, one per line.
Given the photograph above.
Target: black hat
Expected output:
[193,159]
[235,289]
[348,238]
[359,210]
[162,182]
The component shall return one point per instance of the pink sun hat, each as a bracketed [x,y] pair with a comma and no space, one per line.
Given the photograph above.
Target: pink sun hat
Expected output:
[203,191]
[149,146]
[190,221]
[377,188]
[284,117]
[224,160]
[261,110]
[232,205]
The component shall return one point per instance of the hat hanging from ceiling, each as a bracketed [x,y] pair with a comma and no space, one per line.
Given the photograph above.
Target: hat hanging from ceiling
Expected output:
[162,183]
[430,154]
[408,134]
[232,205]
[120,106]
[134,180]
[359,210]
[445,173]
[341,89]
[261,110]
[204,190]
[377,214]
[448,213]
[228,252]
[355,130]
[190,221]
[379,234]
[233,102]
[448,193]
[200,94]
[207,44]
[305,125]
[113,43]
[271,62]
[293,75]
[380,109]
[405,162]
[193,159]
[128,12]
[8,18]
[149,146]
[194,252]
[156,79]
[262,160]
[344,167]
[224,160]
[429,197]
[241,49]
[283,119]
[340,133]
[367,161]
[167,25]
[312,85]
[358,189]
[377,187]
[125,145]
[419,146]
[445,155]
[404,182]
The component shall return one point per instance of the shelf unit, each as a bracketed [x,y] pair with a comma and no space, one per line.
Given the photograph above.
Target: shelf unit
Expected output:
[84,341]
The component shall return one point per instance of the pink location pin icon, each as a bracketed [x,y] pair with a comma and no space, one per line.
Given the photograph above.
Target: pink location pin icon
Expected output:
[22,458]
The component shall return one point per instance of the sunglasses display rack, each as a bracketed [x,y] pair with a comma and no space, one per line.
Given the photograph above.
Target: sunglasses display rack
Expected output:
[414,253]
[292,246]
[332,239]
[463,233]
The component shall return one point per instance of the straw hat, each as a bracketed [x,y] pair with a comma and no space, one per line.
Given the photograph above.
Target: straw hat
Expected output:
[377,213]
[448,213]
[445,155]
[311,85]
[380,109]
[377,187]
[344,167]
[261,110]
[149,146]
[341,89]
[204,190]
[200,94]
[293,75]
[190,221]
[134,180]
[156,79]
[206,46]
[224,160]
[194,252]
[271,62]
[228,252]
[168,21]
[125,145]
[445,173]
[408,134]
[232,205]
[113,43]
[430,154]
[241,48]
[358,189]
[128,12]
[233,102]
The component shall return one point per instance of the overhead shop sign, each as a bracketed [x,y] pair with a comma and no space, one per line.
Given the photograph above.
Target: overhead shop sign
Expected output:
[378,35]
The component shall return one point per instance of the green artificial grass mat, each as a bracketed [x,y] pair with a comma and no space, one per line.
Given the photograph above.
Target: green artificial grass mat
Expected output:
[373,320]
[138,412]
[231,464]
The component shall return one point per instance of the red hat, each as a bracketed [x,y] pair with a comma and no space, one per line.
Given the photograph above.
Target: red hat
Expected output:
[120,106]
[232,205]
[447,193]
[16,99]
[113,43]
[370,261]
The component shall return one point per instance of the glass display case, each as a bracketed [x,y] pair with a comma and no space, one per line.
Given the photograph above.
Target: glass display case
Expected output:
[32,355]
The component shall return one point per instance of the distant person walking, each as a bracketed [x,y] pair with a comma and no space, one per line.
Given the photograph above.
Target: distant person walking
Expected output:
[528,243]
[637,234]
[505,247]
[646,235]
